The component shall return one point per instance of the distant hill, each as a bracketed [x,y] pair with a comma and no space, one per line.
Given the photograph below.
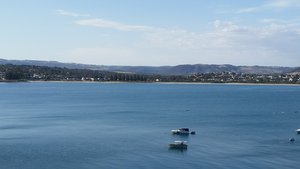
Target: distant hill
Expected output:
[164,70]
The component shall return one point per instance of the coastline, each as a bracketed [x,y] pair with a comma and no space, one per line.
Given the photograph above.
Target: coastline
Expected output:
[175,83]
[246,84]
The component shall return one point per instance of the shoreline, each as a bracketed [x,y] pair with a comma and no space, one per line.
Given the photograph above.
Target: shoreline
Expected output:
[175,83]
[246,84]
[186,83]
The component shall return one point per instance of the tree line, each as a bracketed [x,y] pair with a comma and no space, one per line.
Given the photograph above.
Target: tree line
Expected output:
[33,73]
[10,72]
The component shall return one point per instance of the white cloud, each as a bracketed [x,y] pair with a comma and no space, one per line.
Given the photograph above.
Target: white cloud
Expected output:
[67,13]
[274,44]
[227,42]
[102,23]
[271,4]
[225,26]
[247,10]
[270,20]
[283,3]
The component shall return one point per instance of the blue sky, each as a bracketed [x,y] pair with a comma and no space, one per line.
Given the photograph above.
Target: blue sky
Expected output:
[152,32]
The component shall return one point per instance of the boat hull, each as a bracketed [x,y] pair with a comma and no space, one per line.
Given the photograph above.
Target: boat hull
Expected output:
[180,133]
[178,146]
[183,131]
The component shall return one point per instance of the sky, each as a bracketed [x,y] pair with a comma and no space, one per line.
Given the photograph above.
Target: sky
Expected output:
[152,32]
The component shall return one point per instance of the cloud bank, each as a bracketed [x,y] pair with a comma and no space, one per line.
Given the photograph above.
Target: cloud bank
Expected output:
[272,42]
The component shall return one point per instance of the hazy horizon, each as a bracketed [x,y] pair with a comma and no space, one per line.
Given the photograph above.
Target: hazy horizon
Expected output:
[152,33]
[149,65]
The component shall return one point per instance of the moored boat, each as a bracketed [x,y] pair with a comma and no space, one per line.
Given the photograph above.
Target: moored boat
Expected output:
[298,131]
[181,131]
[178,145]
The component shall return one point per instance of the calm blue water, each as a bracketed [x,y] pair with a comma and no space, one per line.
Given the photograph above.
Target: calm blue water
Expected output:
[95,125]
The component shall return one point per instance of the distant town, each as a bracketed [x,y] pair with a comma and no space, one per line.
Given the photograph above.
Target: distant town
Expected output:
[16,73]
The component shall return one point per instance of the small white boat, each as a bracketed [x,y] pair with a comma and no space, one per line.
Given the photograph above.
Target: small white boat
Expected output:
[298,131]
[181,131]
[178,145]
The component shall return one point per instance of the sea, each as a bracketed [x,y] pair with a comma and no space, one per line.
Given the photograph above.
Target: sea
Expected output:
[63,125]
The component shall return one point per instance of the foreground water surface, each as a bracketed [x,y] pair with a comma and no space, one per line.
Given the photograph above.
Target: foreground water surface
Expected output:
[96,125]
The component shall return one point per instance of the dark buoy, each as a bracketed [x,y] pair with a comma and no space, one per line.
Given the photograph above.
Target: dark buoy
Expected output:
[193,132]
[292,139]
